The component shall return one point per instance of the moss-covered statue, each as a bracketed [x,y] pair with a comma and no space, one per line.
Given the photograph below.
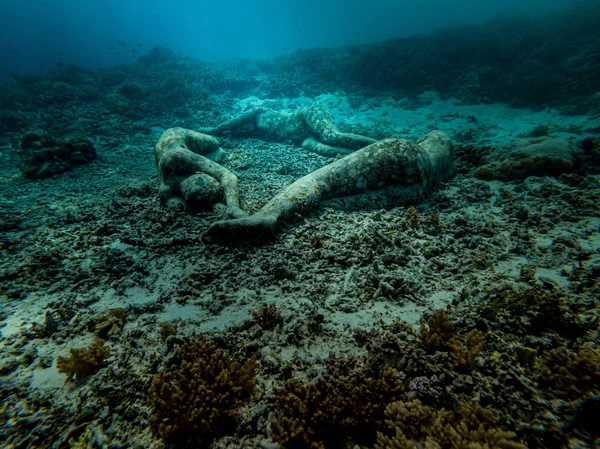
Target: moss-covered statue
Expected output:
[311,127]
[413,168]
[189,176]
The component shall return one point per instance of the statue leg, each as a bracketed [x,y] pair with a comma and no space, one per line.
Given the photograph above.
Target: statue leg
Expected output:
[179,155]
[320,124]
[312,144]
[385,163]
[245,120]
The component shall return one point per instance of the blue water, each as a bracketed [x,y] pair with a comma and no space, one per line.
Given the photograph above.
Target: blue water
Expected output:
[36,34]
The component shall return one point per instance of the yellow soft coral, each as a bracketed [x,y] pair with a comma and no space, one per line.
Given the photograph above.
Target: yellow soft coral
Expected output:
[438,335]
[332,409]
[413,425]
[463,354]
[570,374]
[84,361]
[198,399]
[438,331]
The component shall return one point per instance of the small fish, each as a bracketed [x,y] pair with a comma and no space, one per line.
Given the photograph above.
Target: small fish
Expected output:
[283,48]
[134,51]
[140,44]
[123,43]
[60,54]
[111,48]
[60,63]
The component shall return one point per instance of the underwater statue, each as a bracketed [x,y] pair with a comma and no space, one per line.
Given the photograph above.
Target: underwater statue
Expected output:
[413,167]
[190,177]
[188,174]
[311,127]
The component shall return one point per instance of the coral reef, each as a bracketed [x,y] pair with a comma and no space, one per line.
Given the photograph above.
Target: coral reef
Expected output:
[438,331]
[537,308]
[428,377]
[267,316]
[412,218]
[199,399]
[108,323]
[524,63]
[83,362]
[413,425]
[463,354]
[514,265]
[535,157]
[333,410]
[439,334]
[570,374]
[43,156]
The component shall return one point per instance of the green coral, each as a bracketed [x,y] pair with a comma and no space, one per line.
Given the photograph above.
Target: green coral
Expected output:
[525,356]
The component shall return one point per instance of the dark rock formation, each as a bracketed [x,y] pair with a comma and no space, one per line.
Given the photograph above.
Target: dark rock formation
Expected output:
[43,156]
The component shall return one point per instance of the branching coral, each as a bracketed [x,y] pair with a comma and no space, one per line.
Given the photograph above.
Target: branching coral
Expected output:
[438,331]
[411,217]
[569,374]
[413,425]
[109,323]
[538,308]
[463,354]
[166,330]
[333,410]
[426,376]
[200,398]
[267,317]
[84,361]
[438,335]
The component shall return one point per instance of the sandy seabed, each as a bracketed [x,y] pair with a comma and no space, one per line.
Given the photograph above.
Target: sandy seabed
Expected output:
[97,239]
